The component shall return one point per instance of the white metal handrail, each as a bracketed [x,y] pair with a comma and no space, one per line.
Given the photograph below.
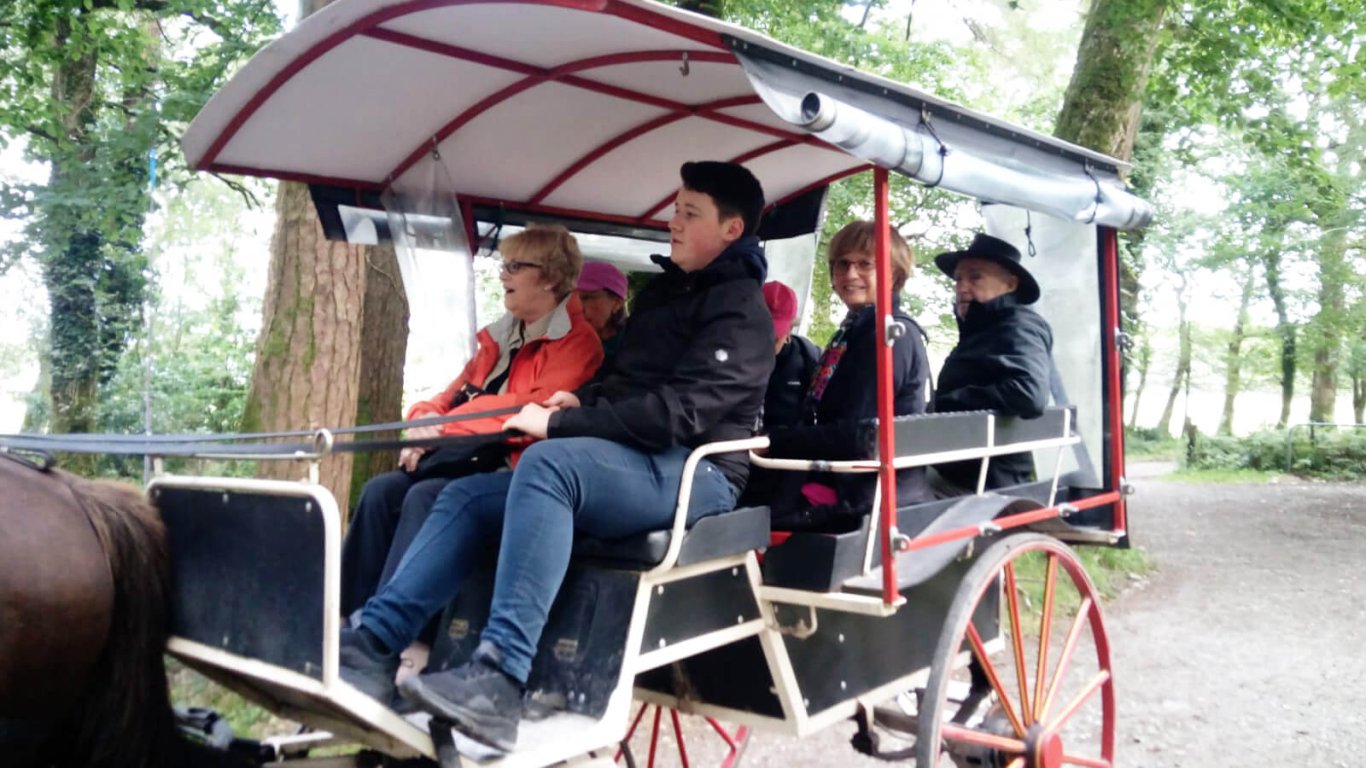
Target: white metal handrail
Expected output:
[680,523]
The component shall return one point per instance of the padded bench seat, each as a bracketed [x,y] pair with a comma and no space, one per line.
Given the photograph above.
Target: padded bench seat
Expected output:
[729,533]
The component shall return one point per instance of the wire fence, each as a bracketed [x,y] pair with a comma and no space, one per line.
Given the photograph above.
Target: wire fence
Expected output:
[1313,427]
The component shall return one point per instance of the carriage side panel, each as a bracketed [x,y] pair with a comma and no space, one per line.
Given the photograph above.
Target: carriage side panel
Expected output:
[247,574]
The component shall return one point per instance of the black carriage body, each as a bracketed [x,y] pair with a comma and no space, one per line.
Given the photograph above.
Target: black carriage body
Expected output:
[844,656]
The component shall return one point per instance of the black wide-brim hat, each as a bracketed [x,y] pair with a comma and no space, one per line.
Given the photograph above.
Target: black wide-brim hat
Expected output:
[990,248]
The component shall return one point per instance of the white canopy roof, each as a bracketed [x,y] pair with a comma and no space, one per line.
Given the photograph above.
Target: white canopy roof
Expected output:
[586,108]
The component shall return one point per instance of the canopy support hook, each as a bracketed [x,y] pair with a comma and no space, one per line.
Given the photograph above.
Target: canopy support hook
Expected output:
[943,148]
[1095,207]
[1029,233]
[436,150]
[685,69]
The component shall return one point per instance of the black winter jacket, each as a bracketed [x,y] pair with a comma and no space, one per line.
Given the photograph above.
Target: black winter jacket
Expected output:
[792,371]
[693,363]
[1002,363]
[845,424]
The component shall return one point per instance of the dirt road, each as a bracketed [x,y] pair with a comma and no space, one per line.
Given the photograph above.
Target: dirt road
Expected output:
[1246,647]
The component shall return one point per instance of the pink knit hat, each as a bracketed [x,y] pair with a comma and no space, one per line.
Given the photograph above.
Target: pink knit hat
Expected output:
[597,276]
[782,304]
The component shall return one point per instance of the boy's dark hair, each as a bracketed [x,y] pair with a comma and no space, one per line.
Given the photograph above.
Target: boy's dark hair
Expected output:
[733,188]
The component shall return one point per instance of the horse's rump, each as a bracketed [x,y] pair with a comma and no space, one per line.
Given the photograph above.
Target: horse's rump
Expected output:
[56,594]
[83,584]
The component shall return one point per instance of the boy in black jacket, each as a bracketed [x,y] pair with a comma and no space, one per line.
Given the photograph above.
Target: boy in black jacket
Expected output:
[693,364]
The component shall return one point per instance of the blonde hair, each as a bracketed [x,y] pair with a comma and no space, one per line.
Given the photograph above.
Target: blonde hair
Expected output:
[861,236]
[553,248]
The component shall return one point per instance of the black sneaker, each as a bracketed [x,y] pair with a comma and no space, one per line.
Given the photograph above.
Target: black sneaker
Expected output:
[368,666]
[478,698]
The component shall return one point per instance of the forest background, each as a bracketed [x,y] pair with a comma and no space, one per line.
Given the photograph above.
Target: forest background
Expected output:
[131,286]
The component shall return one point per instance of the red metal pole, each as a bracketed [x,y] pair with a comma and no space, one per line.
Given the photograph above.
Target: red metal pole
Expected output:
[1110,251]
[885,444]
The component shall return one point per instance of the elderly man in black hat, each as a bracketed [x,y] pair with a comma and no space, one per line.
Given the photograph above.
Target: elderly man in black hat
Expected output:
[1002,359]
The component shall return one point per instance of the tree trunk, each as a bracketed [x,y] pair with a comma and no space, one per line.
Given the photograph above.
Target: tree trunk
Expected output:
[1183,362]
[1327,339]
[1183,372]
[73,251]
[1103,105]
[383,348]
[1358,398]
[1233,361]
[333,338]
[1144,360]
[1271,260]
[308,358]
[1357,371]
[1104,99]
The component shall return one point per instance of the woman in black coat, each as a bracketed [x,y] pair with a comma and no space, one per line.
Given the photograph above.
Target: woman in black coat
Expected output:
[840,408]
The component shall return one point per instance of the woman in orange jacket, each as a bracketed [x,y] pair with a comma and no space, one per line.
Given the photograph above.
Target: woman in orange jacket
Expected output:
[543,344]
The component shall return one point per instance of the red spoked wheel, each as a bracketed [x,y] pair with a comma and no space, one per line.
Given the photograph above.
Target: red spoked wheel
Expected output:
[1021,676]
[695,740]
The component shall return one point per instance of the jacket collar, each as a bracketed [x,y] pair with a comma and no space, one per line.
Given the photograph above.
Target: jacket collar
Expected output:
[982,314]
[864,312]
[743,258]
[504,330]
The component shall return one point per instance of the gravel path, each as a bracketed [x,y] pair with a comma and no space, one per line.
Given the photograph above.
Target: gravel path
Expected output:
[1245,647]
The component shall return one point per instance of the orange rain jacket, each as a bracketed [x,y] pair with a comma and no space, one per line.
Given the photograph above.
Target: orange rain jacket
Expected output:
[565,358]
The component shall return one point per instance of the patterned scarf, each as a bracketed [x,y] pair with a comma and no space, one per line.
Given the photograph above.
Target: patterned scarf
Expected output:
[830,360]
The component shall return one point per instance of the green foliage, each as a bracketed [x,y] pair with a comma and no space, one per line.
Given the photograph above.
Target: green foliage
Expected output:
[1111,74]
[1149,443]
[880,46]
[1328,454]
[94,90]
[1267,97]
[198,373]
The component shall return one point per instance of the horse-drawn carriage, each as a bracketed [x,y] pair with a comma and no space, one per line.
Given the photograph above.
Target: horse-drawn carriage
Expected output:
[965,626]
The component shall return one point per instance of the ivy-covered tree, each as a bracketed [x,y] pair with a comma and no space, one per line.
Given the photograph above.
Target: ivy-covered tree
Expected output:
[97,90]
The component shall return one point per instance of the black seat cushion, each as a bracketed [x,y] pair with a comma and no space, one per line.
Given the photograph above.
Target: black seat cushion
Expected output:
[711,537]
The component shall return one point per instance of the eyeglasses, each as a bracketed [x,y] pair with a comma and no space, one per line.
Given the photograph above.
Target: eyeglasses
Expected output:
[862,267]
[513,267]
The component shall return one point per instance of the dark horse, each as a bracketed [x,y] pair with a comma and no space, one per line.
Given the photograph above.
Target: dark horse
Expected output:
[83,617]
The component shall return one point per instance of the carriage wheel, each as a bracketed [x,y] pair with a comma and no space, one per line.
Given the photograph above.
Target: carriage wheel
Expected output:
[697,740]
[1039,692]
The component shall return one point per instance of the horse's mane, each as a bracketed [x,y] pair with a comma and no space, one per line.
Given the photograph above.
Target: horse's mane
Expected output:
[125,719]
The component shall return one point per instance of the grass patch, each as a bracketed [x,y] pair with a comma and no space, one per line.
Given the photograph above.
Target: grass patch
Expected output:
[1222,475]
[1114,569]
[1110,568]
[248,721]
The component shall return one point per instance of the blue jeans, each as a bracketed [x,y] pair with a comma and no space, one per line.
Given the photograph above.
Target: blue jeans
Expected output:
[580,484]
